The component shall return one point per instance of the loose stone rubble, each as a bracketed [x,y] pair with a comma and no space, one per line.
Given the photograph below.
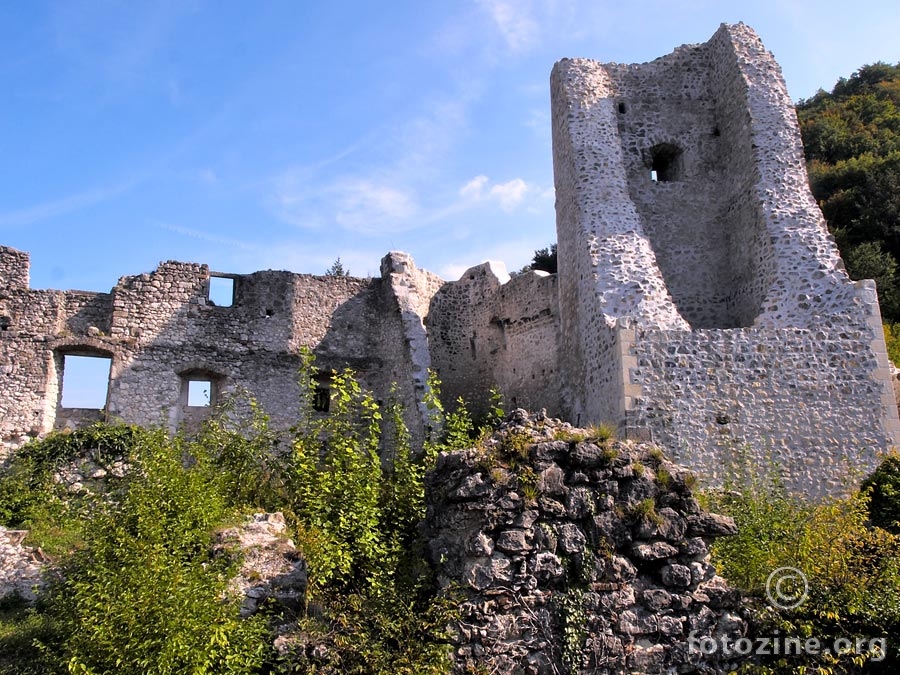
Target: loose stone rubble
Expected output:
[21,567]
[571,553]
[272,569]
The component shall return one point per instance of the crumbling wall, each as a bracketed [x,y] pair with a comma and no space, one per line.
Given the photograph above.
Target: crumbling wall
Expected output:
[408,292]
[161,330]
[578,555]
[692,252]
[486,333]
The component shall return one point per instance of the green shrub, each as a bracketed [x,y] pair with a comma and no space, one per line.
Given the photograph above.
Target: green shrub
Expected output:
[355,515]
[31,499]
[884,488]
[852,568]
[142,592]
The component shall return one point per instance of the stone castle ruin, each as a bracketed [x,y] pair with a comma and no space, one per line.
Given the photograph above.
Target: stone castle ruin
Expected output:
[700,301]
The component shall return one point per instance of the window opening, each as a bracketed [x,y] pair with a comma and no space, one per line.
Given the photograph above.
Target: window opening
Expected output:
[5,322]
[322,399]
[200,393]
[665,163]
[621,108]
[221,291]
[85,381]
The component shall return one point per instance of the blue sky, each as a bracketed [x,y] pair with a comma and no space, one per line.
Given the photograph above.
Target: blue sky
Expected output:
[258,135]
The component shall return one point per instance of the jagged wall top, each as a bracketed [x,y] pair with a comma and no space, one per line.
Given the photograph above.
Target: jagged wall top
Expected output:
[729,234]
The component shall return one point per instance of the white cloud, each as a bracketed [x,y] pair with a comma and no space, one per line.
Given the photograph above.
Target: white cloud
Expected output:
[514,21]
[393,169]
[474,188]
[367,207]
[508,195]
[452,271]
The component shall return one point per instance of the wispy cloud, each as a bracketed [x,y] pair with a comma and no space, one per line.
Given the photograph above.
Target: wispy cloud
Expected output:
[204,236]
[60,207]
[363,205]
[368,207]
[515,23]
[377,195]
[508,195]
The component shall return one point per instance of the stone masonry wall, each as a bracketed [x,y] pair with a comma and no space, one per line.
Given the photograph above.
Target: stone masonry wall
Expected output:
[713,281]
[802,398]
[160,330]
[486,334]
[576,554]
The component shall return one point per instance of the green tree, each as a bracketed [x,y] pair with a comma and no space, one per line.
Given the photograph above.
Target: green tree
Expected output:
[884,488]
[851,138]
[544,260]
[337,269]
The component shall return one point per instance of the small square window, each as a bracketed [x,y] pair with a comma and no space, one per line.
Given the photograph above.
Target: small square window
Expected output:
[85,381]
[200,393]
[221,291]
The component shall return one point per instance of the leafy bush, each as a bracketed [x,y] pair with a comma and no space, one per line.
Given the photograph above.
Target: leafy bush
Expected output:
[142,592]
[884,488]
[352,486]
[852,568]
[32,498]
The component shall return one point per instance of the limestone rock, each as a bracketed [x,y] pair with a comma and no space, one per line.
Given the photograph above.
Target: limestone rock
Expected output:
[635,584]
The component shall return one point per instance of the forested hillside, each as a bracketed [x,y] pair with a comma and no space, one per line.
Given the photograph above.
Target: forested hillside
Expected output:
[851,137]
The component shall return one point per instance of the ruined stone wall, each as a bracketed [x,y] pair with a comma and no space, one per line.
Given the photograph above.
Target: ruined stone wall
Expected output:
[485,333]
[804,399]
[404,346]
[14,268]
[27,368]
[549,538]
[160,330]
[713,280]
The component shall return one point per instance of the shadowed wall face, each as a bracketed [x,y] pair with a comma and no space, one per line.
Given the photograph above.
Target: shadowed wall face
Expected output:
[688,159]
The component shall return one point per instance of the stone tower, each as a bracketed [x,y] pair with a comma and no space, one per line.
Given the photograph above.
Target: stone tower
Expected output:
[702,300]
